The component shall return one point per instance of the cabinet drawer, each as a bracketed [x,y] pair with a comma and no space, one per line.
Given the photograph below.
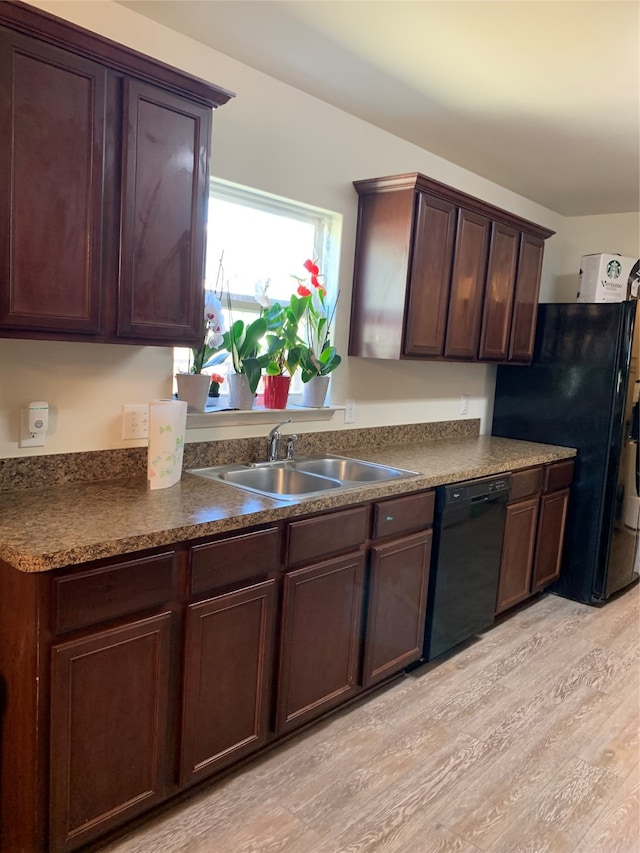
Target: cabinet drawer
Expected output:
[559,475]
[87,598]
[397,516]
[233,560]
[525,483]
[326,535]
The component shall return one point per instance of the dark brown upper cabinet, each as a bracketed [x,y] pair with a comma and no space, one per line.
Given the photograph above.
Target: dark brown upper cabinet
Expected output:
[433,234]
[165,170]
[523,327]
[467,286]
[104,170]
[52,139]
[499,291]
[442,275]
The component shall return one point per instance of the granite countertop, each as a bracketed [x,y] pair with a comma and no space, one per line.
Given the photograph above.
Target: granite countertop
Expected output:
[60,525]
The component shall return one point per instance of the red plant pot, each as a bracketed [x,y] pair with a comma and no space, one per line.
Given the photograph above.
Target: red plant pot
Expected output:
[276,391]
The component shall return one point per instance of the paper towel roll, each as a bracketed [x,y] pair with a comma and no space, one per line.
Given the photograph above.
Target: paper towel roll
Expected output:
[167,426]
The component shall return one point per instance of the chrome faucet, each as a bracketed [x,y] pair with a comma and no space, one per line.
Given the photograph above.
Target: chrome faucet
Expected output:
[272,441]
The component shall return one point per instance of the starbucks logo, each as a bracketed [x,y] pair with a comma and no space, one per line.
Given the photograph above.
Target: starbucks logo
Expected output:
[614,269]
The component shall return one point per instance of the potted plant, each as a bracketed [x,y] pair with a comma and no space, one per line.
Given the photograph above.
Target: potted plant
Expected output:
[242,342]
[283,346]
[318,358]
[214,388]
[193,387]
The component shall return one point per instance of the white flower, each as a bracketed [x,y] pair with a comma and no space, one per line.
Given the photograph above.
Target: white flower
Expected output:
[214,320]
[261,293]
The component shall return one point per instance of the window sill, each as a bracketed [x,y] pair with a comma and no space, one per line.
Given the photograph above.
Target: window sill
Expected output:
[220,415]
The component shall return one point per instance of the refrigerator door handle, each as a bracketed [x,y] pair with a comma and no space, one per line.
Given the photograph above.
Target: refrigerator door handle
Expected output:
[634,436]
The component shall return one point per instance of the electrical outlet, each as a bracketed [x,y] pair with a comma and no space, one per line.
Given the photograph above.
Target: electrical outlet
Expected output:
[350,412]
[464,404]
[135,421]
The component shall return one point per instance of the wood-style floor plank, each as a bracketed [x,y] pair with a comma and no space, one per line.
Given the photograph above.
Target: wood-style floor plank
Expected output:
[616,828]
[555,818]
[525,740]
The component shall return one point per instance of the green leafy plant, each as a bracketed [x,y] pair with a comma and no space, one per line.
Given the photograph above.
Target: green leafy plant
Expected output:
[283,346]
[242,342]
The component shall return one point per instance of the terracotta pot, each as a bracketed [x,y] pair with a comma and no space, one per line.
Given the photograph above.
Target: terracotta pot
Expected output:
[240,396]
[276,391]
[314,392]
[193,388]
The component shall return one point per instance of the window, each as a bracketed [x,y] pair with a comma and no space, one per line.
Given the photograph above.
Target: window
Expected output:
[256,238]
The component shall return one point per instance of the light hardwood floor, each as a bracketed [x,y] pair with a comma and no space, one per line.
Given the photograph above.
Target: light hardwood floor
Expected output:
[525,741]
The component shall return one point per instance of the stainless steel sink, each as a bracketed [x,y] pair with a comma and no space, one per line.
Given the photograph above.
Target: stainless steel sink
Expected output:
[280,480]
[349,470]
[306,477]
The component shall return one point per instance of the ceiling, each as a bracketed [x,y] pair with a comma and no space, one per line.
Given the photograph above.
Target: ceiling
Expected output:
[541,97]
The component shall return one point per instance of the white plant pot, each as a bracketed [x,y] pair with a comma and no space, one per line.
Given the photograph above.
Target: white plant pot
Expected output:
[240,396]
[314,392]
[193,388]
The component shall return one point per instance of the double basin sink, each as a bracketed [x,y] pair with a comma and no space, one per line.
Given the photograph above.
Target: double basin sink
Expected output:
[310,476]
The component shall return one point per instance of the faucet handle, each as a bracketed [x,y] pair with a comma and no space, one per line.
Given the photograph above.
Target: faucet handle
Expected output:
[291,444]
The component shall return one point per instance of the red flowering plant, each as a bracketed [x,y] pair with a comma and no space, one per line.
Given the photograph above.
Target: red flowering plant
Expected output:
[317,356]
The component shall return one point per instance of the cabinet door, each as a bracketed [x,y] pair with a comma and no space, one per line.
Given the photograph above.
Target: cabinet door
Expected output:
[553,515]
[319,645]
[525,305]
[499,293]
[165,186]
[467,286]
[108,729]
[398,584]
[516,563]
[52,105]
[228,657]
[430,275]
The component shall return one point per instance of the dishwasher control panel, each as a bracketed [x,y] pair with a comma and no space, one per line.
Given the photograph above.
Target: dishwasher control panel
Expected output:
[477,489]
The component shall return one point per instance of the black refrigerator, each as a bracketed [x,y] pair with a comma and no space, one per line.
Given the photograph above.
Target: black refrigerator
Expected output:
[577,392]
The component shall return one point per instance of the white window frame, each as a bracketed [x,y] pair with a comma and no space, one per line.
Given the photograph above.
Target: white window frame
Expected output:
[327,228]
[325,225]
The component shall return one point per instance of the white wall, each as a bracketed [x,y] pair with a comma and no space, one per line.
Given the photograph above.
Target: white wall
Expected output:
[278,139]
[617,233]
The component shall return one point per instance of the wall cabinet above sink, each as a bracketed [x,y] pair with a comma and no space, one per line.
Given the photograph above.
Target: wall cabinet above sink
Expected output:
[104,167]
[441,275]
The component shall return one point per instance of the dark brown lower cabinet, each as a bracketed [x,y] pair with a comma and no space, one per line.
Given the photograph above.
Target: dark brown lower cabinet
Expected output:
[109,698]
[553,514]
[518,547]
[534,532]
[397,600]
[124,681]
[228,656]
[320,639]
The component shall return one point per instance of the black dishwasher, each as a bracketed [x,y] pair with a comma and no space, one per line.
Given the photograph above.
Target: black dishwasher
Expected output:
[468,528]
